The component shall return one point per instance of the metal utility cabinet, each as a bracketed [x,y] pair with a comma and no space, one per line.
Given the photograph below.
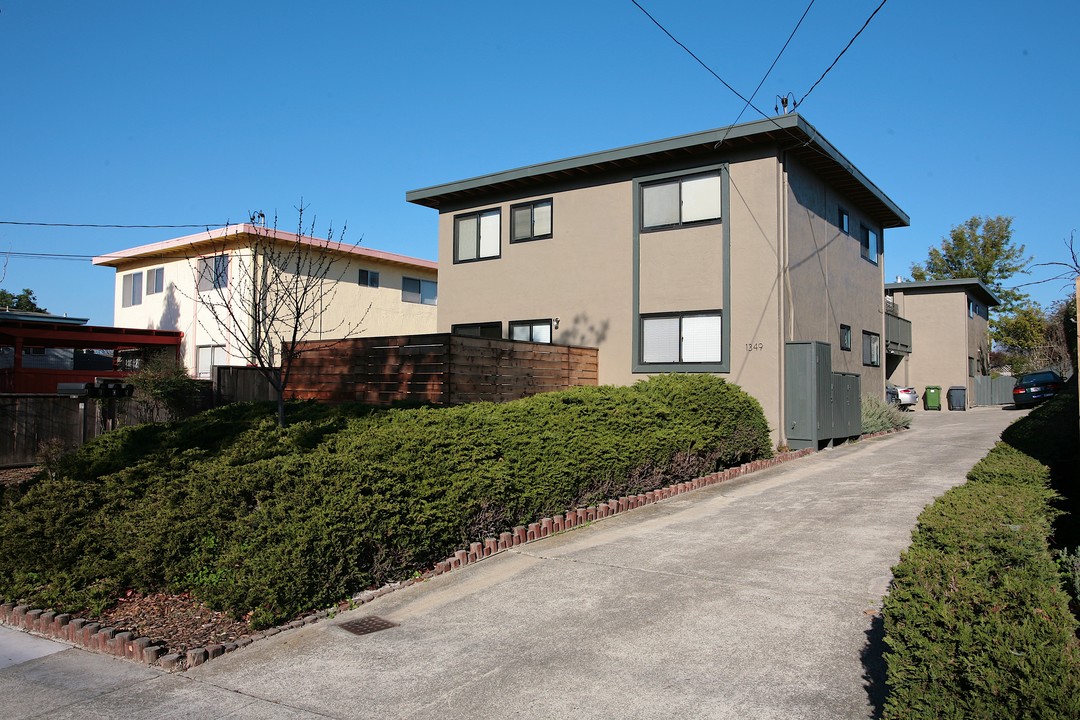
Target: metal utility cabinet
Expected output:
[819,405]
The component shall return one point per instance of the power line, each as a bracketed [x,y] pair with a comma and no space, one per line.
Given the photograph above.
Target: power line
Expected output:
[850,42]
[88,225]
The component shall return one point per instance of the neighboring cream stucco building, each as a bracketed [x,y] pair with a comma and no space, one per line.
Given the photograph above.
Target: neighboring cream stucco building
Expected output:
[168,285]
[701,253]
[950,334]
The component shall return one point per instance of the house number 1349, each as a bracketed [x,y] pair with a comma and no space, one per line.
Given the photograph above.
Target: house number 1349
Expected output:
[750,347]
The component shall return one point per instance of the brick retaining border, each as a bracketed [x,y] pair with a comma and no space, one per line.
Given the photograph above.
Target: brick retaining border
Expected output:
[123,644]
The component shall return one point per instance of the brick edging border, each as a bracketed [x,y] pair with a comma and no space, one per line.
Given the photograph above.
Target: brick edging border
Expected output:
[124,644]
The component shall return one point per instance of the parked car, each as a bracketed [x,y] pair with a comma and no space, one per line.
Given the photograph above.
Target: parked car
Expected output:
[904,398]
[1032,388]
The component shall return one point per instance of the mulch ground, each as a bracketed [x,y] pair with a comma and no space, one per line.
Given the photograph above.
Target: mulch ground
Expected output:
[180,621]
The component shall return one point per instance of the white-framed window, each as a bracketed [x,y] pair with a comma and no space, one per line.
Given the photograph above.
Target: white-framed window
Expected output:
[869,242]
[531,330]
[681,338]
[530,221]
[680,201]
[477,236]
[369,278]
[131,292]
[871,349]
[207,357]
[213,272]
[425,292]
[155,281]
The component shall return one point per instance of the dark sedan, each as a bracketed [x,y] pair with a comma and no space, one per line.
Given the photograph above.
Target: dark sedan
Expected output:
[1032,388]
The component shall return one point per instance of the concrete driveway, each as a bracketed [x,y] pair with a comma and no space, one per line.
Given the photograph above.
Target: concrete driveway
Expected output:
[755,599]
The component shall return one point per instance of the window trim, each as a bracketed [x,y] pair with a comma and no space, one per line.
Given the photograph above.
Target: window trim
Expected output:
[131,289]
[718,314]
[845,337]
[372,278]
[218,277]
[843,220]
[481,326]
[419,291]
[532,220]
[679,179]
[478,214]
[210,371]
[866,235]
[532,324]
[873,362]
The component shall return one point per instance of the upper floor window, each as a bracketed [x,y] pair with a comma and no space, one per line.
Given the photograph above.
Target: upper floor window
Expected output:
[490,330]
[530,221]
[845,337]
[843,221]
[681,201]
[155,281]
[132,290]
[681,338]
[871,349]
[369,278]
[531,330]
[477,236]
[213,272]
[425,292]
[869,241]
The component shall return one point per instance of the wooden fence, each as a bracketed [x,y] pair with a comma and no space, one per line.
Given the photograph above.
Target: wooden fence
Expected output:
[441,369]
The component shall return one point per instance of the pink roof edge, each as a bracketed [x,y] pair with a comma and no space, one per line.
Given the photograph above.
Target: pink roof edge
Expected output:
[115,259]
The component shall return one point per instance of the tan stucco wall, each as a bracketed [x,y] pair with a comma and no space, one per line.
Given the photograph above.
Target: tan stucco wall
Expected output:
[829,282]
[345,302]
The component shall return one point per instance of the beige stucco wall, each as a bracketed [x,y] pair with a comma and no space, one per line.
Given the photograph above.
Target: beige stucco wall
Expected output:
[943,337]
[829,283]
[347,307]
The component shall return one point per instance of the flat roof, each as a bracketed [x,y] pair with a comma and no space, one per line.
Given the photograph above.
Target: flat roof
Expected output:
[184,247]
[974,286]
[791,132]
[44,334]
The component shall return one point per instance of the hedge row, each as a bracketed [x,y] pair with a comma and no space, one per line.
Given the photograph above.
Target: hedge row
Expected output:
[976,622]
[274,522]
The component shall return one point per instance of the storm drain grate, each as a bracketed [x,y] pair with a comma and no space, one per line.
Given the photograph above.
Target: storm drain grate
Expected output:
[367,625]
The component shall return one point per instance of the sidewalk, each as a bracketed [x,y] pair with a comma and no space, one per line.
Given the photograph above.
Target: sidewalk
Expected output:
[753,599]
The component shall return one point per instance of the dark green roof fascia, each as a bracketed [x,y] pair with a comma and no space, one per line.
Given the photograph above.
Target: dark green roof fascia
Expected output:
[974,285]
[792,123]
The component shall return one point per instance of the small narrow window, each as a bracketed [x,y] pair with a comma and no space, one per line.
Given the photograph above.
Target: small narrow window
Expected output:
[871,354]
[155,281]
[477,236]
[845,337]
[489,330]
[843,221]
[869,242]
[682,201]
[530,221]
[369,278]
[132,289]
[684,338]
[425,292]
[971,367]
[531,330]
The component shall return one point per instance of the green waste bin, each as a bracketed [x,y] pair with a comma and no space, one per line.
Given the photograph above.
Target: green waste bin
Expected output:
[932,397]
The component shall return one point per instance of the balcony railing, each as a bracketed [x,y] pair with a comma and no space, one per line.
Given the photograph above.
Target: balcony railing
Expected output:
[897,333]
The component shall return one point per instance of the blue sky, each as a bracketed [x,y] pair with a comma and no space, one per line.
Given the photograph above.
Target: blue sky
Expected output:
[197,112]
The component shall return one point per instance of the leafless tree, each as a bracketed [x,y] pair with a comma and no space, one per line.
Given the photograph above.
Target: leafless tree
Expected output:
[282,285]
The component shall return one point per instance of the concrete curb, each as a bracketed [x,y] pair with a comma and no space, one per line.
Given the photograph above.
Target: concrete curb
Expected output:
[124,644]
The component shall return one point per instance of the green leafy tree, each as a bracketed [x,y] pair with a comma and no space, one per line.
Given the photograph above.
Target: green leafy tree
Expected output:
[983,248]
[1021,336]
[24,301]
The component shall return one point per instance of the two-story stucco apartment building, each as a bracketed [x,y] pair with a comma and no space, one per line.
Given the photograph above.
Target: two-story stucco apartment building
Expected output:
[170,285]
[950,336]
[707,252]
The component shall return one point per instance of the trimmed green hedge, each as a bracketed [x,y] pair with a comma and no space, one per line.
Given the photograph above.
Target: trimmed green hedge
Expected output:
[976,622]
[253,518]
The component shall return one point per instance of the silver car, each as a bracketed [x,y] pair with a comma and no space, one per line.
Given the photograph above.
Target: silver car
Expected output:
[904,398]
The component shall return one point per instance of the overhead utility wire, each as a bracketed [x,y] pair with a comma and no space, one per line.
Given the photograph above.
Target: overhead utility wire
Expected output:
[769,71]
[850,42]
[89,225]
